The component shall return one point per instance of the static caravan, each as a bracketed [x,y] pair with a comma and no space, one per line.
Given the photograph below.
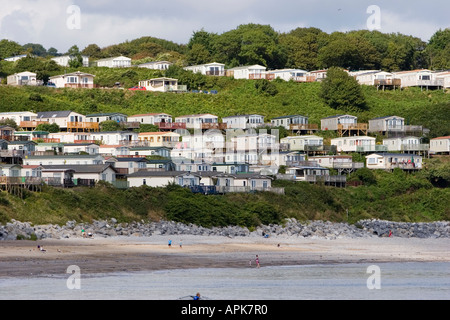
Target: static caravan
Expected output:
[253,72]
[333,122]
[115,62]
[246,121]
[354,144]
[208,69]
[440,145]
[387,124]
[390,161]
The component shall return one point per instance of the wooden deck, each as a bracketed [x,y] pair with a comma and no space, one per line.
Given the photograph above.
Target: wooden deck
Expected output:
[83,126]
[350,129]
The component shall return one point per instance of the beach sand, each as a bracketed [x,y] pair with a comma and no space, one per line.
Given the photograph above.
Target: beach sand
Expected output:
[128,254]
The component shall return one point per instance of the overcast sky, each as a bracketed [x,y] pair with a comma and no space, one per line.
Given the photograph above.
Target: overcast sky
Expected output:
[56,23]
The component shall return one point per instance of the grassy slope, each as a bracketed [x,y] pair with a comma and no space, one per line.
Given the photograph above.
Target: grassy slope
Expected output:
[235,97]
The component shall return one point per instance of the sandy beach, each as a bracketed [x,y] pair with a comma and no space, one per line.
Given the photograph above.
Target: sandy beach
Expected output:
[128,254]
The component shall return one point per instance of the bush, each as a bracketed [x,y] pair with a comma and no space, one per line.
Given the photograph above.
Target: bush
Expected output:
[365,175]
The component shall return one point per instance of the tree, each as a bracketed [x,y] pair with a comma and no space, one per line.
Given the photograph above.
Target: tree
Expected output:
[302,46]
[111,125]
[36,49]
[92,51]
[51,128]
[29,63]
[76,60]
[349,51]
[259,45]
[266,87]
[249,44]
[148,128]
[438,50]
[341,91]
[200,47]
[9,48]
[198,54]
[52,51]
[364,175]
[10,123]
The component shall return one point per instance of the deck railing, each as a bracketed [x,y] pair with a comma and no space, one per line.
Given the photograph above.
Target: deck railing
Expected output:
[388,82]
[304,127]
[348,165]
[86,126]
[415,147]
[257,76]
[218,126]
[247,189]
[372,148]
[354,126]
[32,124]
[219,73]
[171,125]
[326,179]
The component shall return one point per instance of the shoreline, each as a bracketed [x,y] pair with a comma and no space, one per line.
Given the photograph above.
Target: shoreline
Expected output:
[22,259]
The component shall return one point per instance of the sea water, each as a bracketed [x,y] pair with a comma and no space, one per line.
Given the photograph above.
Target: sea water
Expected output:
[402,281]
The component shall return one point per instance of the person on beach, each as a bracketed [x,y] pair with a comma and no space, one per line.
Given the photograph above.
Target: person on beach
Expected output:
[181,243]
[257,261]
[170,243]
[41,249]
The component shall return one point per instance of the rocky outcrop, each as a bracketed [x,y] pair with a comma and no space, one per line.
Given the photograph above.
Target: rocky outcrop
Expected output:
[292,228]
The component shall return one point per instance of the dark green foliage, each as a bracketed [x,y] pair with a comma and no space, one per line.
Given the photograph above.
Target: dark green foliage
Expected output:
[438,173]
[9,48]
[208,211]
[342,92]
[266,87]
[148,128]
[396,196]
[10,123]
[35,97]
[438,50]
[366,176]
[263,212]
[306,48]
[52,128]
[111,125]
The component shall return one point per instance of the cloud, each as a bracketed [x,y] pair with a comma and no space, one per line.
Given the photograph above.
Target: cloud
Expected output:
[407,24]
[107,22]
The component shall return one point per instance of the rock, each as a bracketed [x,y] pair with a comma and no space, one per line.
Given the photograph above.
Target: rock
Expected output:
[292,227]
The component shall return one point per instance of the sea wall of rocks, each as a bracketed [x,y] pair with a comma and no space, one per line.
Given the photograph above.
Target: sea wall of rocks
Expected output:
[15,230]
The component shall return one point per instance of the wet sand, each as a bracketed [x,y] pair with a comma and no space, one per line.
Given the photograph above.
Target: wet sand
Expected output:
[98,256]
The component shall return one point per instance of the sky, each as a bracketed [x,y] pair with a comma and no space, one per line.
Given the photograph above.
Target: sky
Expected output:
[64,23]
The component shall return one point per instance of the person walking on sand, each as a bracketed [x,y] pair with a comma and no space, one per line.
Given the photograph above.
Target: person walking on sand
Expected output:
[257,261]
[170,243]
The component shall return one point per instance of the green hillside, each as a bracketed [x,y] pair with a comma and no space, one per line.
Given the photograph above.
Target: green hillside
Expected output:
[394,196]
[428,108]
